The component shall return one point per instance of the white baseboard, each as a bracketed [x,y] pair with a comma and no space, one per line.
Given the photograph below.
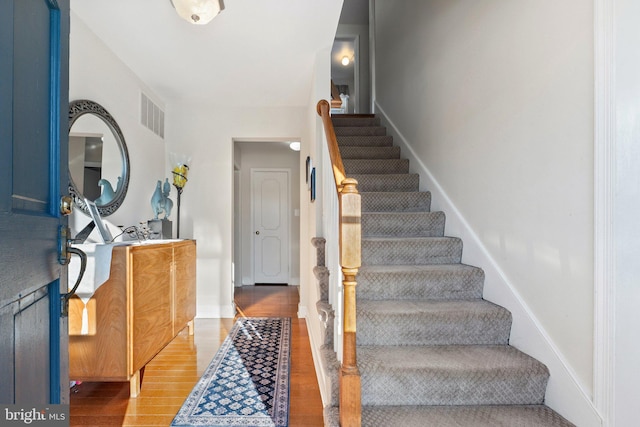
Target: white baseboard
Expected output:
[302,311]
[316,343]
[565,394]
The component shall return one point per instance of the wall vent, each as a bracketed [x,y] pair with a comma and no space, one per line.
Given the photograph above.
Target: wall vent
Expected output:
[151,116]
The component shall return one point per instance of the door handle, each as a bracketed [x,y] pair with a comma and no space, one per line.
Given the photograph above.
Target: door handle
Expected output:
[66,205]
[257,233]
[66,250]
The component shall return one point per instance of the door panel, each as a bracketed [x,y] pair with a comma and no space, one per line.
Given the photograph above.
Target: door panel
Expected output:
[270,251]
[271,224]
[33,140]
[32,347]
[32,65]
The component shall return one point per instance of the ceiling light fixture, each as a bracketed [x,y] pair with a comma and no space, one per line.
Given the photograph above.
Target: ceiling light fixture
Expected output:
[345,60]
[198,12]
[295,145]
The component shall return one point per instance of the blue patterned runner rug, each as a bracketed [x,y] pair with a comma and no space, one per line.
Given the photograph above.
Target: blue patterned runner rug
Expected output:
[247,382]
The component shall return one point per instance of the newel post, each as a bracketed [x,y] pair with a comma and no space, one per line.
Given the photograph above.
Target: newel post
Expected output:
[350,400]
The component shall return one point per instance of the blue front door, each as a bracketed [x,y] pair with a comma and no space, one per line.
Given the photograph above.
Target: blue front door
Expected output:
[34,43]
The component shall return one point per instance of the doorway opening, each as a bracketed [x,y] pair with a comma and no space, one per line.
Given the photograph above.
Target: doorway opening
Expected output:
[344,72]
[266,212]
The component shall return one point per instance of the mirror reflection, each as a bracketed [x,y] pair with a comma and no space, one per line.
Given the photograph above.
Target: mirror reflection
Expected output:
[95,163]
[98,158]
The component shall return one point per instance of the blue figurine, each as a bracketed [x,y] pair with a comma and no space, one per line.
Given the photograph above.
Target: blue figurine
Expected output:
[160,201]
[107,193]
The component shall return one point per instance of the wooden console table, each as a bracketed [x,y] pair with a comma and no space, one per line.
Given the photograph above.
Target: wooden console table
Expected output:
[149,298]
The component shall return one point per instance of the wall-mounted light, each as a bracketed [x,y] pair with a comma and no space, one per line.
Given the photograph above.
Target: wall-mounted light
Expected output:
[345,60]
[198,12]
[295,145]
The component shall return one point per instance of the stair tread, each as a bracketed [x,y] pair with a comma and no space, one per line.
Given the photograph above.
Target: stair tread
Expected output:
[454,359]
[402,213]
[376,128]
[419,282]
[403,224]
[457,308]
[458,416]
[387,182]
[364,141]
[432,322]
[376,166]
[411,239]
[416,268]
[360,131]
[450,375]
[410,250]
[355,121]
[383,175]
[396,201]
[454,416]
[348,152]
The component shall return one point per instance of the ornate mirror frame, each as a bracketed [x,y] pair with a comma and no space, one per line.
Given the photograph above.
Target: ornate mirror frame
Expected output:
[77,109]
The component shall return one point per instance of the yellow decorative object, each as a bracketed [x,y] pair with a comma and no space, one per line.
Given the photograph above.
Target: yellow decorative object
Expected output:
[180,176]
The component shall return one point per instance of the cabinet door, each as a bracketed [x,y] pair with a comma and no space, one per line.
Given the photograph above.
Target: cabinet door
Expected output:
[185,284]
[151,296]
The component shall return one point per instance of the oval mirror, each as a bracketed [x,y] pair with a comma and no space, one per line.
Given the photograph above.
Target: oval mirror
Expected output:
[98,158]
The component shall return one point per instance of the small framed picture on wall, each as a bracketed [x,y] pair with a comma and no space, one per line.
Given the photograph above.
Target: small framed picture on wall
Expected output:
[308,172]
[312,180]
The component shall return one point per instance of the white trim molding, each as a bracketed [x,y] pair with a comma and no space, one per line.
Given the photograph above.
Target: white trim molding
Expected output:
[603,210]
[372,53]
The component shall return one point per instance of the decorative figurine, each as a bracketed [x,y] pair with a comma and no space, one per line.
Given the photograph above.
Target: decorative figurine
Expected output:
[160,201]
[107,194]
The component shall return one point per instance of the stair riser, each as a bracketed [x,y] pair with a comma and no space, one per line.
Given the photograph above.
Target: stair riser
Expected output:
[360,131]
[420,285]
[395,202]
[464,328]
[451,388]
[399,224]
[355,121]
[348,152]
[376,166]
[409,252]
[364,141]
[387,182]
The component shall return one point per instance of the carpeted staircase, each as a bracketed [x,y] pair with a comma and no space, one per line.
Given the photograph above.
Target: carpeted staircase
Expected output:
[431,350]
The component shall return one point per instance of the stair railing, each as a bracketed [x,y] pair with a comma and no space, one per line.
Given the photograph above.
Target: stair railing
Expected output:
[349,244]
[336,101]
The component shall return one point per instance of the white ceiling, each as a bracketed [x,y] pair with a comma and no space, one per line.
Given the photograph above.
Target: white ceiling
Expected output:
[255,53]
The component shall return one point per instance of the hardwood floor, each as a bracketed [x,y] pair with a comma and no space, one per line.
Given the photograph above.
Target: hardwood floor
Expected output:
[171,375]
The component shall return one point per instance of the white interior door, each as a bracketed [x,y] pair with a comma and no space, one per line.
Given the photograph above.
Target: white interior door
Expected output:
[270,197]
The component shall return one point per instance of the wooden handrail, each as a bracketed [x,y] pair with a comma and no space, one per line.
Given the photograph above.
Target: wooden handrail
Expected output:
[350,260]
[336,101]
[339,175]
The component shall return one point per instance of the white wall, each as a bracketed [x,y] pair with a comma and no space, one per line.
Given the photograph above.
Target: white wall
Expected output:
[268,155]
[495,100]
[206,134]
[312,211]
[97,74]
